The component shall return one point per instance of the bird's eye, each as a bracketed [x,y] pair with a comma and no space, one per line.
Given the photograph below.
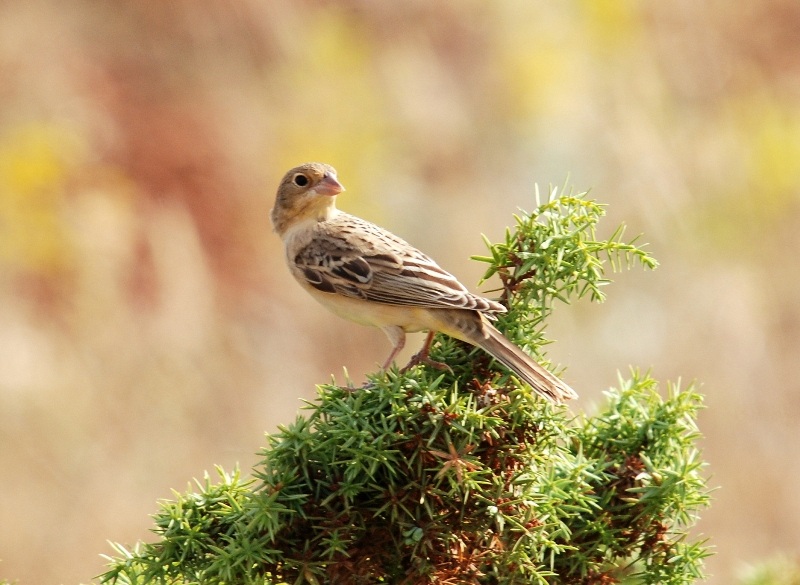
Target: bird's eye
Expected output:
[300,180]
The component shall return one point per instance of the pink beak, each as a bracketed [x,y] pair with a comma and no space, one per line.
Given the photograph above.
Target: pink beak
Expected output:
[329,186]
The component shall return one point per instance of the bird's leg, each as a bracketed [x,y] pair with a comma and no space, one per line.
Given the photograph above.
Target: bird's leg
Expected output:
[398,339]
[423,356]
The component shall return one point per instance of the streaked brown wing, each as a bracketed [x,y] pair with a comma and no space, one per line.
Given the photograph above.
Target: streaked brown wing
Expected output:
[357,259]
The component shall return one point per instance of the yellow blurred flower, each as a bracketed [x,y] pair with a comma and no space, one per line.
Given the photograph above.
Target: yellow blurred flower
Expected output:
[35,163]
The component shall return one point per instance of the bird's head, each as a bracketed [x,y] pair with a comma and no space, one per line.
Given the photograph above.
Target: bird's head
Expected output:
[306,192]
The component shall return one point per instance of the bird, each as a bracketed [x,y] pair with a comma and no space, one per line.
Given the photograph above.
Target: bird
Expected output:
[368,275]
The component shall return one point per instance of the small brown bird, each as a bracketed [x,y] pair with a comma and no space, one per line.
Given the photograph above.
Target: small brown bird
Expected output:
[368,275]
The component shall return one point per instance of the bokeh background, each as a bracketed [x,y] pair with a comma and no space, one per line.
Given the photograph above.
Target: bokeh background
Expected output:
[149,329]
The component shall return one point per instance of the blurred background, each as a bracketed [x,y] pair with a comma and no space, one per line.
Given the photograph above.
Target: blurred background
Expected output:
[149,329]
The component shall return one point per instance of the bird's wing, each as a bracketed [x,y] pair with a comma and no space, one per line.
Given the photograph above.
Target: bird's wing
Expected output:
[357,259]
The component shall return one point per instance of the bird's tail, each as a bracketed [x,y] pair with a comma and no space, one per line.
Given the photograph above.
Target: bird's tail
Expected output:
[523,365]
[475,328]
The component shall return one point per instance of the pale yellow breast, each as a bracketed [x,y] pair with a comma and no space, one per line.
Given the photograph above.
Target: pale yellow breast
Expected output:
[373,314]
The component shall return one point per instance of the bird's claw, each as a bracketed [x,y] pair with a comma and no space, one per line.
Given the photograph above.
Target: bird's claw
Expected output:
[424,358]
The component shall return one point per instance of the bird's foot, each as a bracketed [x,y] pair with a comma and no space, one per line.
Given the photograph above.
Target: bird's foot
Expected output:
[422,357]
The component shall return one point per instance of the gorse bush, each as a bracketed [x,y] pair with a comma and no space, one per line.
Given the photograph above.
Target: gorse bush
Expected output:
[461,476]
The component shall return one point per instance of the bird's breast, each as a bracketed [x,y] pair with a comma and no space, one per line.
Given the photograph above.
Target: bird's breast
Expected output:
[373,314]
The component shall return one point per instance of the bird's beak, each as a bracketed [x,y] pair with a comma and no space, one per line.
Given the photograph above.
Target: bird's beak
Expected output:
[329,186]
